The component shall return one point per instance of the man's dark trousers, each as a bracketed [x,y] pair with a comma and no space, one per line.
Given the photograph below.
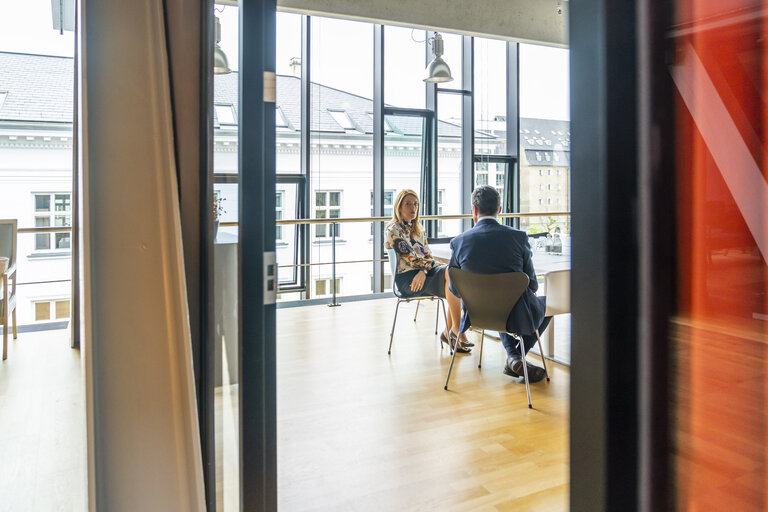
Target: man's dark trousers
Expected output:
[529,340]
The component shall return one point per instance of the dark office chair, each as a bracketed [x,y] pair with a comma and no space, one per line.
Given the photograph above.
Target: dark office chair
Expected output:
[489,299]
[392,255]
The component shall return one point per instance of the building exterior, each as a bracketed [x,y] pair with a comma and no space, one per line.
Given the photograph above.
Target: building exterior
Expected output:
[36,163]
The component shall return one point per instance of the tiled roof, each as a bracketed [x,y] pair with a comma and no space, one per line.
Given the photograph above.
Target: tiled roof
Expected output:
[323,100]
[39,87]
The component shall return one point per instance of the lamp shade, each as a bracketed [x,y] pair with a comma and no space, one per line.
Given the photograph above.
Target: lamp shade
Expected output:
[438,71]
[220,63]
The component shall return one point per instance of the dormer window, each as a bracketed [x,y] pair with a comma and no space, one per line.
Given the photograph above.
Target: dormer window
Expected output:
[225,114]
[343,119]
[280,120]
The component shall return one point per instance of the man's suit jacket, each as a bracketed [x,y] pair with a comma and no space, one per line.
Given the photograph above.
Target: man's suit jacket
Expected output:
[492,248]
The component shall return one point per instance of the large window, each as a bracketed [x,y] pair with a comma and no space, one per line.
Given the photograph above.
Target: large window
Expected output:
[449,154]
[341,148]
[52,210]
[490,93]
[288,111]
[404,63]
[545,138]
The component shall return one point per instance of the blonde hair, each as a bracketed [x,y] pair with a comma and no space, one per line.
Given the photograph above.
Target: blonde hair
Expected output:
[398,219]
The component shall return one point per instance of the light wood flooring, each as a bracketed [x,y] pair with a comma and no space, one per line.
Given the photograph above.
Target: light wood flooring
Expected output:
[358,430]
[42,425]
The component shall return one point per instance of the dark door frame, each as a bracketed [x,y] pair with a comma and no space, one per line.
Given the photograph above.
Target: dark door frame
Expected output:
[257,266]
[605,282]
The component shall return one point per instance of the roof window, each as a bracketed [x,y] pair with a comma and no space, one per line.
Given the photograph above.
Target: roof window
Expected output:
[280,121]
[343,119]
[225,114]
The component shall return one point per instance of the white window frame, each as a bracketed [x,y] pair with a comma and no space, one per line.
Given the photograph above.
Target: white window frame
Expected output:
[51,309]
[327,209]
[440,203]
[388,206]
[280,120]
[343,119]
[279,213]
[52,218]
[230,119]
[328,289]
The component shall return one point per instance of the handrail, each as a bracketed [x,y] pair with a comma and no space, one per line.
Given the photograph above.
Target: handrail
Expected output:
[343,220]
[61,229]
[66,229]
[333,222]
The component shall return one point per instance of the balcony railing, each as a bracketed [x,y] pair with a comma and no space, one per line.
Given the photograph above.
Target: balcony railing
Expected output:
[333,222]
[346,220]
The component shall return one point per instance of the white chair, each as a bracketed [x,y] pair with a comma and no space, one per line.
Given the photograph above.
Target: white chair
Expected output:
[557,288]
[392,255]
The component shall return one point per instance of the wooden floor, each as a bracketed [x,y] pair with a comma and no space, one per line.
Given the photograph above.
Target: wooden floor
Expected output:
[42,425]
[357,430]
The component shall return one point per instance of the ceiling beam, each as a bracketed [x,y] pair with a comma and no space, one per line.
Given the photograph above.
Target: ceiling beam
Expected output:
[542,22]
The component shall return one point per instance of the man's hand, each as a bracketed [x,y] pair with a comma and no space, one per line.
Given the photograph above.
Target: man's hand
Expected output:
[418,281]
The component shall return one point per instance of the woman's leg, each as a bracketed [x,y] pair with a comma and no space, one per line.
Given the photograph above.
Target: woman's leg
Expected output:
[454,310]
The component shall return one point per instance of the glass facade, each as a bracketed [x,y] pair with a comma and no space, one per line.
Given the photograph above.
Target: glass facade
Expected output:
[545,146]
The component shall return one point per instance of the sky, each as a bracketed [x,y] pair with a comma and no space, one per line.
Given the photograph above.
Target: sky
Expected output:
[342,58]
[27,27]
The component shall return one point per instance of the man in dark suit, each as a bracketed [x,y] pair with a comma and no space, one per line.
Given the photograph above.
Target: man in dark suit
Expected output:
[492,248]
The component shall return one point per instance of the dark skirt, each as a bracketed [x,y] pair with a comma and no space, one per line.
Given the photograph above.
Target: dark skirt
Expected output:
[433,285]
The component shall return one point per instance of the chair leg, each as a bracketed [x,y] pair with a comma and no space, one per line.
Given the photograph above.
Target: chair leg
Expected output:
[4,277]
[450,368]
[392,334]
[480,359]
[445,319]
[525,371]
[543,359]
[13,316]
[437,315]
[418,303]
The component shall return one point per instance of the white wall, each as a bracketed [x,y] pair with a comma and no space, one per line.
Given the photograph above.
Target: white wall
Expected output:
[28,167]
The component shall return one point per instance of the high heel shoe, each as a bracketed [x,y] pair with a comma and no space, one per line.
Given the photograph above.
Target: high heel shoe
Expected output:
[465,343]
[461,347]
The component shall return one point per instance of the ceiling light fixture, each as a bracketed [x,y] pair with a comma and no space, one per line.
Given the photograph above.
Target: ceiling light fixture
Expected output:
[220,62]
[438,70]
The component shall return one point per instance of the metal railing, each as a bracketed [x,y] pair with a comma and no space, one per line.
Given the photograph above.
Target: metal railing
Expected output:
[346,220]
[333,223]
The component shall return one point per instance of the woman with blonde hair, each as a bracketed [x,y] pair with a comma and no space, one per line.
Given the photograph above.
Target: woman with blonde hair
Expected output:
[417,271]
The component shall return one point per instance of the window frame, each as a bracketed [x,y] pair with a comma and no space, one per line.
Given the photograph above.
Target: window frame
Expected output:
[50,215]
[326,208]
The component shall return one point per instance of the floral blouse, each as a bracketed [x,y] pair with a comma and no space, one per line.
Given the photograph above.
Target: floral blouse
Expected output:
[413,252]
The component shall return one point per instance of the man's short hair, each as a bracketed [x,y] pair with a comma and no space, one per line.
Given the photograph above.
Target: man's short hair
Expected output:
[486,199]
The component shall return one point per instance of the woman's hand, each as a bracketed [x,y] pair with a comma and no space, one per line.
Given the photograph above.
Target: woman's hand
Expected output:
[418,281]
